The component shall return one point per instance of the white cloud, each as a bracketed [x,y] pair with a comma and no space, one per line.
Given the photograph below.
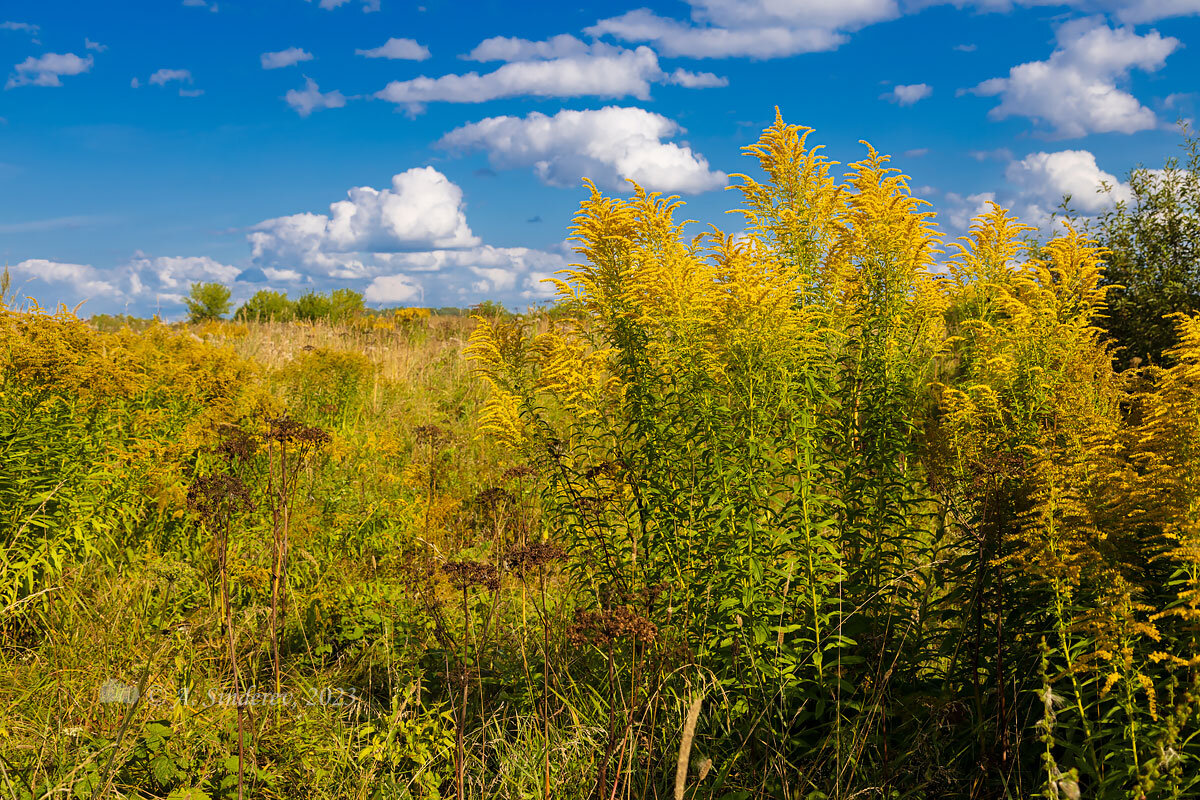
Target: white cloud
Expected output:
[1046,177]
[757,29]
[696,80]
[604,72]
[310,98]
[510,48]
[285,58]
[48,69]
[19,26]
[401,49]
[393,289]
[1075,90]
[1138,11]
[607,145]
[164,76]
[367,7]
[85,280]
[90,45]
[906,95]
[175,274]
[422,211]
[201,4]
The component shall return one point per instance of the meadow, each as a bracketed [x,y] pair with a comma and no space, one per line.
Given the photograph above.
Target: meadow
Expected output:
[833,509]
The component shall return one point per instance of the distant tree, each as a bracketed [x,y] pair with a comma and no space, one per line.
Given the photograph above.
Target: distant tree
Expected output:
[266,305]
[1154,266]
[207,301]
[344,304]
[312,306]
[490,308]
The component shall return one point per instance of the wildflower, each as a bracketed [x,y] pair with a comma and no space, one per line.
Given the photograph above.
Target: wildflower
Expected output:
[606,627]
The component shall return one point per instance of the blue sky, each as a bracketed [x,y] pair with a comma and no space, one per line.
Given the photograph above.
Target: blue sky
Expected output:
[431,153]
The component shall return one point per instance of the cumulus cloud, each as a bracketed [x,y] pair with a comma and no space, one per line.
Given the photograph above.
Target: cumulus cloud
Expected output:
[423,210]
[311,98]
[696,80]
[405,244]
[607,145]
[47,70]
[90,45]
[393,289]
[84,280]
[1075,90]
[285,58]
[170,275]
[400,49]
[748,28]
[604,71]
[511,48]
[906,95]
[1043,178]
[24,27]
[164,76]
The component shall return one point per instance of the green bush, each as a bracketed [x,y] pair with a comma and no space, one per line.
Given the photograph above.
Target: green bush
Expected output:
[312,307]
[266,306]
[207,301]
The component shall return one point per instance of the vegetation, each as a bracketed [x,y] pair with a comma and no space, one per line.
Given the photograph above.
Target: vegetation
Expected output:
[207,301]
[1153,261]
[802,513]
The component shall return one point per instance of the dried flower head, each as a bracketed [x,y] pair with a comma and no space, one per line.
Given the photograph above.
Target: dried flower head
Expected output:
[285,430]
[464,574]
[236,444]
[212,496]
[611,625]
[430,435]
[534,556]
[518,472]
[494,498]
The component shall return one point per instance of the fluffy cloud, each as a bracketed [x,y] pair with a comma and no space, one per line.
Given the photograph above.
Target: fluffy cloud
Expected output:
[1043,178]
[604,71]
[401,49]
[696,80]
[510,48]
[173,275]
[285,58]
[25,27]
[906,95]
[164,76]
[607,145]
[393,289]
[90,45]
[1138,11]
[410,243]
[422,211]
[749,28]
[83,280]
[1075,90]
[48,69]
[311,98]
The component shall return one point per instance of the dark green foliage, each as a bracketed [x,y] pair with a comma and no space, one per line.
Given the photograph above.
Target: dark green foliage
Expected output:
[344,305]
[207,301]
[312,307]
[1154,266]
[266,306]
